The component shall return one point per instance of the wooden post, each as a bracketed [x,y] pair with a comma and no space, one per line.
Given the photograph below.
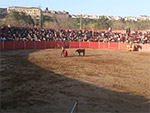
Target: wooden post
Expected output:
[108,45]
[24,44]
[3,45]
[45,45]
[79,44]
[34,44]
[98,44]
[14,45]
[119,46]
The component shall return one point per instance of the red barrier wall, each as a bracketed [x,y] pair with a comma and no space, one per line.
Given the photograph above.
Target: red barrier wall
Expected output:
[84,45]
[9,45]
[66,44]
[74,45]
[114,46]
[12,45]
[58,45]
[103,45]
[1,47]
[94,45]
[123,46]
[145,47]
[30,45]
[19,45]
[40,45]
[50,45]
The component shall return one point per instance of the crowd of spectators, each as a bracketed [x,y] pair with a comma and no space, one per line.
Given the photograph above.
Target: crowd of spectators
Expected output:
[8,33]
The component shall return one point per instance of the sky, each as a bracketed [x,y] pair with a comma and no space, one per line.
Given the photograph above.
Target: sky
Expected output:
[90,7]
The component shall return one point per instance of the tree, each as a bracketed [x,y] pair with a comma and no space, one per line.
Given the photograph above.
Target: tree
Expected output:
[37,22]
[45,18]
[22,16]
[30,20]
[47,8]
[103,23]
[16,15]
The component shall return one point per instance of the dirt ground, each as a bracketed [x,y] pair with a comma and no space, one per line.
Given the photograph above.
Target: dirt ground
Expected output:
[41,81]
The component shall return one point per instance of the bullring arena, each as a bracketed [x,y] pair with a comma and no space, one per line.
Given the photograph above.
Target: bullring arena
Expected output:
[104,80]
[110,78]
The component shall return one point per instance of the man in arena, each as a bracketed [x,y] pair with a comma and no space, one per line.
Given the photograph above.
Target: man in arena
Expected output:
[63,50]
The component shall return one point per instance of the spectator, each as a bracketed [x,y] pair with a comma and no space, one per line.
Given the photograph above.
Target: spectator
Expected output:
[9,33]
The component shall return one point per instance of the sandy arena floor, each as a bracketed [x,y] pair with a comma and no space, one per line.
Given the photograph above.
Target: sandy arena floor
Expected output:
[41,81]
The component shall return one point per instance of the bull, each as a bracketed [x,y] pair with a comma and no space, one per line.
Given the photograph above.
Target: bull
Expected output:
[80,51]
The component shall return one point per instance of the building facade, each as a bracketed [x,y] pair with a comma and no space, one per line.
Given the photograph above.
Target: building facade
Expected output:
[3,12]
[57,14]
[34,12]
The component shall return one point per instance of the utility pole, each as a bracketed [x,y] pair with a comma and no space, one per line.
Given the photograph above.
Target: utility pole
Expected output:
[80,22]
[40,21]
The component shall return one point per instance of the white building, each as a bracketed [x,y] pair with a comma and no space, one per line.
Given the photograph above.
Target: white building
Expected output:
[130,18]
[3,11]
[34,12]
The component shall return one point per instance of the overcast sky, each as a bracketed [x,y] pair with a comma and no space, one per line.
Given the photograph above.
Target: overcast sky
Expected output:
[90,7]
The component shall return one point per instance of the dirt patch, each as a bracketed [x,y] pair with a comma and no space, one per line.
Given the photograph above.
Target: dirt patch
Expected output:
[36,81]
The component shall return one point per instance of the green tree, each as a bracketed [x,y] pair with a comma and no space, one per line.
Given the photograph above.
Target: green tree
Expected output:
[37,22]
[103,23]
[46,18]
[76,23]
[16,15]
[47,8]
[22,16]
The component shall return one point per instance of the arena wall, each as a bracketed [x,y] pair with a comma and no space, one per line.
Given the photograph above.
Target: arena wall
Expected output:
[15,45]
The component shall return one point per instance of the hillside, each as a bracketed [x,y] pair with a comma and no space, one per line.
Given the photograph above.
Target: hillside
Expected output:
[21,19]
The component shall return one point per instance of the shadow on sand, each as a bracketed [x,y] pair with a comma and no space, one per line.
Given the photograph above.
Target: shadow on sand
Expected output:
[28,88]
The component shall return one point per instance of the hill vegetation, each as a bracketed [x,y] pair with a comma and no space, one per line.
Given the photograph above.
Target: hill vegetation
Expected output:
[17,19]
[21,19]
